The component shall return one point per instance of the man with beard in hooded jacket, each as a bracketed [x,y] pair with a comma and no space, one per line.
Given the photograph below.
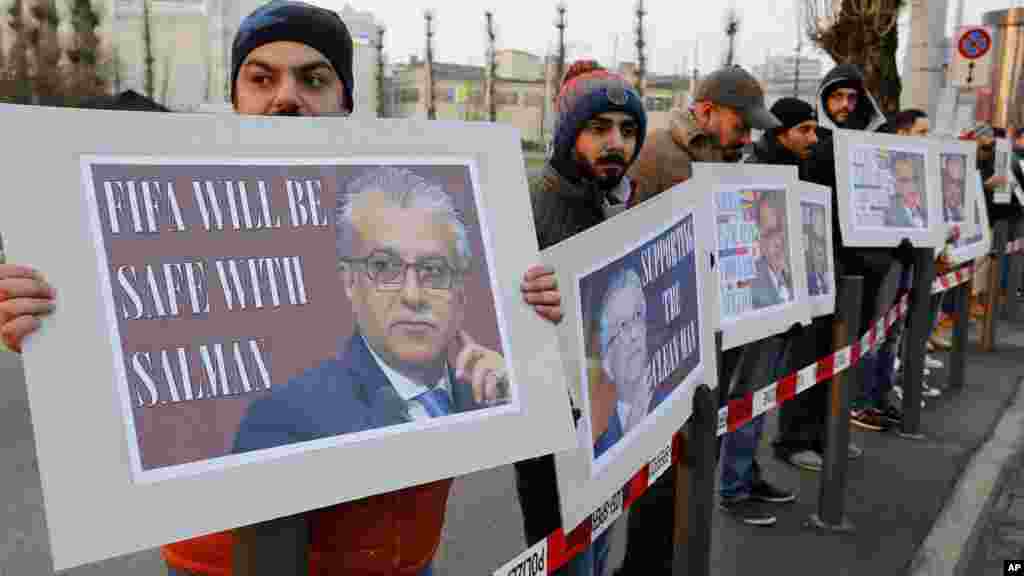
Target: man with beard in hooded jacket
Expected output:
[843,102]
[600,126]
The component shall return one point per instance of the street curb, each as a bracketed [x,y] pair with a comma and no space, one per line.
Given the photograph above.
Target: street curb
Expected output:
[948,548]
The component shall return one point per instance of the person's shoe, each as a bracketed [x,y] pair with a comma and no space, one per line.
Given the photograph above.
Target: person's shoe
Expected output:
[867,419]
[853,451]
[933,362]
[762,491]
[929,346]
[748,511]
[898,390]
[930,391]
[893,415]
[940,342]
[807,460]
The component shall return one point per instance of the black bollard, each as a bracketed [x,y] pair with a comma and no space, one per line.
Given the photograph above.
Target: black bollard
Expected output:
[695,557]
[957,355]
[831,516]
[1011,309]
[918,329]
[990,322]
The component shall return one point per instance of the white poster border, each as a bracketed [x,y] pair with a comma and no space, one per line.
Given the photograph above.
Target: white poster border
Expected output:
[879,237]
[708,179]
[146,515]
[580,492]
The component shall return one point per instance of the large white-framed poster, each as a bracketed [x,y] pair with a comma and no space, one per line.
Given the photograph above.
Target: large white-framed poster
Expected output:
[761,275]
[249,306]
[638,296]
[974,238]
[887,191]
[1003,156]
[816,226]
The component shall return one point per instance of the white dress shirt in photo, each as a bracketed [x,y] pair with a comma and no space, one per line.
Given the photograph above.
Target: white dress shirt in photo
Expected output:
[407,389]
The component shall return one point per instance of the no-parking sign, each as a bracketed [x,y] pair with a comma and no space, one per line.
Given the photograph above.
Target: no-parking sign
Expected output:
[972,59]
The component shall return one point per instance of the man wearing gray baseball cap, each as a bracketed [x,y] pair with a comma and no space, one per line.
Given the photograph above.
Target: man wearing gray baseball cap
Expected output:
[715,127]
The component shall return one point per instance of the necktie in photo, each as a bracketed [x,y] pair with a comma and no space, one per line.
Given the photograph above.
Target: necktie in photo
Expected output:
[436,402]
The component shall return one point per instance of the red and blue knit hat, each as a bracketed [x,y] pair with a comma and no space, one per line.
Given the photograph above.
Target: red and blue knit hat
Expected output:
[589,90]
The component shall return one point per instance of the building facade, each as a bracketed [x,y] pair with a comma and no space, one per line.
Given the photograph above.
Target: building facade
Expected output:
[789,76]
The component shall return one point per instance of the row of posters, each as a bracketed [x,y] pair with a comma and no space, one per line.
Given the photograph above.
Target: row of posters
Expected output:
[258,300]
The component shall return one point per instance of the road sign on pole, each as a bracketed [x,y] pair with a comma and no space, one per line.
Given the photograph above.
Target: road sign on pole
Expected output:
[972,60]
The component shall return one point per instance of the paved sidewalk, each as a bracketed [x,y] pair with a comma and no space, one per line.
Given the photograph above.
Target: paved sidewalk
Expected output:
[1001,531]
[896,492]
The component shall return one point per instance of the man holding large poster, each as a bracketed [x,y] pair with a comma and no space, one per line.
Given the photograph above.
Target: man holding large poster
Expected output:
[294,59]
[599,130]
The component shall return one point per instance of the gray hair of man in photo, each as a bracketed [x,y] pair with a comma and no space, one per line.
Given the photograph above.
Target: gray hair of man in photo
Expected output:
[623,279]
[402,188]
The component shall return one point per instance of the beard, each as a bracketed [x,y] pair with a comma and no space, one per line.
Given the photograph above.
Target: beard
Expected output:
[606,172]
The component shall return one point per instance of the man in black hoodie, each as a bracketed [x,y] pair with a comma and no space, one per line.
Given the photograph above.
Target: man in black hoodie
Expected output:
[801,420]
[844,103]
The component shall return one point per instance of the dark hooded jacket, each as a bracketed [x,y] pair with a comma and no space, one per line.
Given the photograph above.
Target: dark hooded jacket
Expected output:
[871,263]
[768,150]
[822,169]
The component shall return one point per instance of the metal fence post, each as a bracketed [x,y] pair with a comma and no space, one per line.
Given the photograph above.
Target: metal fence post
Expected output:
[1015,271]
[832,489]
[701,454]
[918,329]
[990,321]
[957,356]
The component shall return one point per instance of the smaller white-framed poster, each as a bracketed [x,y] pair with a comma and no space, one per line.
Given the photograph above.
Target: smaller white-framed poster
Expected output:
[886,191]
[816,225]
[974,239]
[955,161]
[761,276]
[1003,155]
[639,298]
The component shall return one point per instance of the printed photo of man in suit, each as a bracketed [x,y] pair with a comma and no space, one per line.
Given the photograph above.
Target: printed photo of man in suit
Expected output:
[953,187]
[624,359]
[403,254]
[906,205]
[772,285]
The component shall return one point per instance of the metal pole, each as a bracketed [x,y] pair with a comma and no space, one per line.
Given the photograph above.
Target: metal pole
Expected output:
[918,329]
[832,489]
[1016,270]
[1000,235]
[957,366]
[701,459]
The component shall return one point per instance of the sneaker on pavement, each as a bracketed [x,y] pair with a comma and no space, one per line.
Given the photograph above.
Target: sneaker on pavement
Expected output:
[807,459]
[932,362]
[940,342]
[898,390]
[929,391]
[765,492]
[748,511]
[867,419]
[853,451]
[893,415]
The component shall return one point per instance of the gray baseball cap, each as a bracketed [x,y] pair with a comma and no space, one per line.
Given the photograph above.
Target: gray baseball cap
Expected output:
[736,88]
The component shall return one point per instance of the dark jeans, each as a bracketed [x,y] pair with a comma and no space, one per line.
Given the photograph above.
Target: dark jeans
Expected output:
[740,471]
[802,419]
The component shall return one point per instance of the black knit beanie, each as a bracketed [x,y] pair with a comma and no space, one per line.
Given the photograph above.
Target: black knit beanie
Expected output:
[290,21]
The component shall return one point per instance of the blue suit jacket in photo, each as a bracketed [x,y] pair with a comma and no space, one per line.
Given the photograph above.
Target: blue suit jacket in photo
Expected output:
[345,394]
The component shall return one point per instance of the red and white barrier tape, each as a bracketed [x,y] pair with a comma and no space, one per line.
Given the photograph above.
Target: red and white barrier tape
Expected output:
[558,548]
